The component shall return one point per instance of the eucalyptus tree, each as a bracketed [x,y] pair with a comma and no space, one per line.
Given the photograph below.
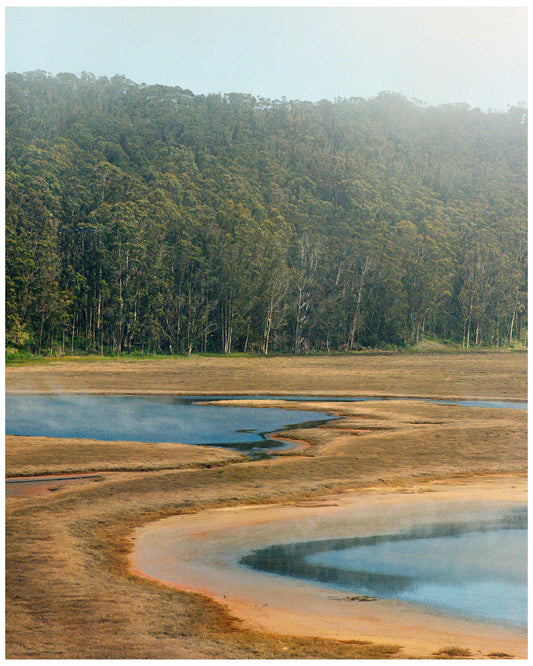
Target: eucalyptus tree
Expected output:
[150,218]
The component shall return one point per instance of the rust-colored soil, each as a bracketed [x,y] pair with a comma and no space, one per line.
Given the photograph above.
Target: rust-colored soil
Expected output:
[69,593]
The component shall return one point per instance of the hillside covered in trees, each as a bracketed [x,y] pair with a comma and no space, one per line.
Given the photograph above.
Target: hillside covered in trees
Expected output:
[149,218]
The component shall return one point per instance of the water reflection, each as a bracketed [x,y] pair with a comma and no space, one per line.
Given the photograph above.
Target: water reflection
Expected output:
[474,569]
[150,419]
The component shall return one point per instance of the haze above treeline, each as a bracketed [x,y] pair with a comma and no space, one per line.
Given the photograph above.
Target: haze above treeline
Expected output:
[476,55]
[147,218]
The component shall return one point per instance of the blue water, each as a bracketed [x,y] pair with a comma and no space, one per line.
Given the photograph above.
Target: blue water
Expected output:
[475,569]
[167,419]
[499,404]
[480,574]
[147,419]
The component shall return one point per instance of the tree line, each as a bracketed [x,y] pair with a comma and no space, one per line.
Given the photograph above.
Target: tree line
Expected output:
[147,218]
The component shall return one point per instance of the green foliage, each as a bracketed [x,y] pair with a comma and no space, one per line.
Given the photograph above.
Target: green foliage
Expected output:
[145,219]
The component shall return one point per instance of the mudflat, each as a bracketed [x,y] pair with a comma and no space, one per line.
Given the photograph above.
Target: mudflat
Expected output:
[70,588]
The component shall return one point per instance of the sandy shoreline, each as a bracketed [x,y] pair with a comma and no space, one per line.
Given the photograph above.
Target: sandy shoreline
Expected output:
[200,552]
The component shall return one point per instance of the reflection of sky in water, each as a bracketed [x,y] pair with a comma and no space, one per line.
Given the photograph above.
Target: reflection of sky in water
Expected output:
[484,403]
[144,419]
[480,574]
[158,418]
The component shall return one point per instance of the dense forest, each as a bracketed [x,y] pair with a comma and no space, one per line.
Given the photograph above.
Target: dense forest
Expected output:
[147,218]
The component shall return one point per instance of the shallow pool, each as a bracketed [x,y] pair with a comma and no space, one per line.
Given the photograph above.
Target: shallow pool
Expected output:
[150,419]
[170,418]
[473,570]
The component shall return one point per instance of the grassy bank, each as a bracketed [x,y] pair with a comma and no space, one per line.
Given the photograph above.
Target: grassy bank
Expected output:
[23,357]
[490,374]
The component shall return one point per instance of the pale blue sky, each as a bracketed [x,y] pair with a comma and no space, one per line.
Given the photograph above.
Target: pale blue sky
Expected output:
[437,55]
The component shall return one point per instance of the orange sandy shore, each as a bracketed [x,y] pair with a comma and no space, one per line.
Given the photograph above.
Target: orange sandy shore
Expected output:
[200,553]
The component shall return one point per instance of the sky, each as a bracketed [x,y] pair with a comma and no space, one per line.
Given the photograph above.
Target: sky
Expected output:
[438,55]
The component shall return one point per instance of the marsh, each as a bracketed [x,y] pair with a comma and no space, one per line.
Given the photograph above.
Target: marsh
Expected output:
[67,552]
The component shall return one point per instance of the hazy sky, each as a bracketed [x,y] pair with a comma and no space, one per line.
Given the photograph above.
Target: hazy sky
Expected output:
[438,55]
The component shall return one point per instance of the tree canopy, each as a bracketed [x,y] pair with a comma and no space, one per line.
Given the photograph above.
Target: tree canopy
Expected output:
[145,217]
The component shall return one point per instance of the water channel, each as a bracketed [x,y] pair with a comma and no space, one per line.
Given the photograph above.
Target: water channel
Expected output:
[188,420]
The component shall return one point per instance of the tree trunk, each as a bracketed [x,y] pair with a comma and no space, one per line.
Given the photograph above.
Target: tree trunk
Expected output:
[72,336]
[512,326]
[268,326]
[355,320]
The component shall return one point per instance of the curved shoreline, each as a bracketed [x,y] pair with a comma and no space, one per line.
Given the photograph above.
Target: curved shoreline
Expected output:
[200,552]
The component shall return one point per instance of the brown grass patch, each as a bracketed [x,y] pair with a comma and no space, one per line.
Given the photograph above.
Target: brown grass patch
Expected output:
[453,652]
[32,456]
[477,375]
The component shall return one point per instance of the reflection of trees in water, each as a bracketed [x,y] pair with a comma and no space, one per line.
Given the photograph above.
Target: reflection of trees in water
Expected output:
[290,559]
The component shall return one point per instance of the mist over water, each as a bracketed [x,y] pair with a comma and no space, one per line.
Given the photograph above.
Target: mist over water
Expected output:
[476,570]
[481,574]
[148,419]
[170,418]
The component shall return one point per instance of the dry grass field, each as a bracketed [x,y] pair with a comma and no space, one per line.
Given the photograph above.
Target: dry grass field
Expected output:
[69,593]
[497,375]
